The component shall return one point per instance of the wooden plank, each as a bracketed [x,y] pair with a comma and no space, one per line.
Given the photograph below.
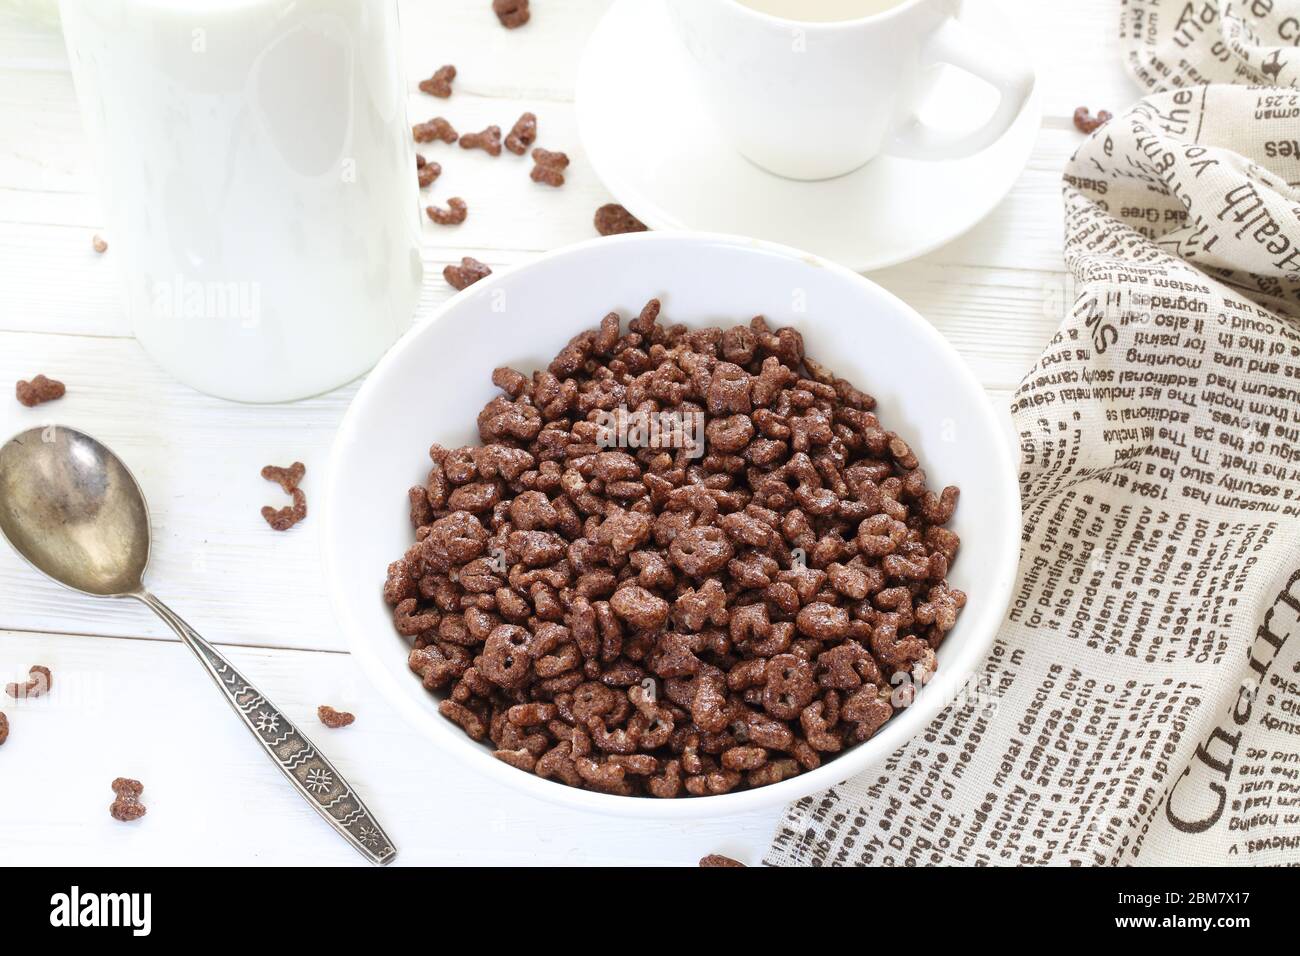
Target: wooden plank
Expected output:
[145,709]
[508,210]
[65,287]
[1075,48]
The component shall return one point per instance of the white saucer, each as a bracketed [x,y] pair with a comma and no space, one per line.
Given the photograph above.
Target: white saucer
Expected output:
[651,142]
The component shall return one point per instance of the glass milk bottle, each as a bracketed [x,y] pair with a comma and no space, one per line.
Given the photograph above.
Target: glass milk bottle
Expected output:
[259,184]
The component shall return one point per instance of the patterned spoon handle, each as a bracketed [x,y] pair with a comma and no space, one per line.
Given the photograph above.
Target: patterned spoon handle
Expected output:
[297,757]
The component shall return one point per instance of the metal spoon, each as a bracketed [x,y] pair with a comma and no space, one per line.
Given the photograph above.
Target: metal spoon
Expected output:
[73,510]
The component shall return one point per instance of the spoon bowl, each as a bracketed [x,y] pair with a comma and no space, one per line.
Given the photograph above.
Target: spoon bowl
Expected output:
[74,511]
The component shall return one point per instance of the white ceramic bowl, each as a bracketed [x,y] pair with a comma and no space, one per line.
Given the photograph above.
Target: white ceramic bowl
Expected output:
[432,384]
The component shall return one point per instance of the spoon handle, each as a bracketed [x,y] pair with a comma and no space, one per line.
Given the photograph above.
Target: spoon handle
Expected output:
[288,747]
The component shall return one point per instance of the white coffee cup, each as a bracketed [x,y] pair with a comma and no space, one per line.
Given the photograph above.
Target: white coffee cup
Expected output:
[809,95]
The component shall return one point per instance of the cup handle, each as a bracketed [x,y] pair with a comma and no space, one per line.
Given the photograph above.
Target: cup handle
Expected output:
[957,46]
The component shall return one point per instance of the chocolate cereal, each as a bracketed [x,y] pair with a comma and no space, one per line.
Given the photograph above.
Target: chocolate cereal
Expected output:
[434,129]
[39,390]
[39,682]
[425,171]
[1085,122]
[511,13]
[466,274]
[455,213]
[489,140]
[681,562]
[549,167]
[127,806]
[283,519]
[4,727]
[522,134]
[439,84]
[332,718]
[717,860]
[612,219]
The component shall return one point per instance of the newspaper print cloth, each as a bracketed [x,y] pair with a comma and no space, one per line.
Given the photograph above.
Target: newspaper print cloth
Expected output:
[1148,671]
[1173,44]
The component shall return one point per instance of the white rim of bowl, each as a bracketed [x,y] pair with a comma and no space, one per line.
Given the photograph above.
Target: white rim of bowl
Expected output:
[941,690]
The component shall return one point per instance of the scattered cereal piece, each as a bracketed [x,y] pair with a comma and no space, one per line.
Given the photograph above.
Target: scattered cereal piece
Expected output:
[466,274]
[522,134]
[549,166]
[612,219]
[333,718]
[4,727]
[1085,122]
[489,140]
[283,519]
[39,681]
[436,128]
[287,478]
[718,860]
[455,213]
[511,13]
[439,84]
[127,806]
[98,244]
[425,171]
[39,390]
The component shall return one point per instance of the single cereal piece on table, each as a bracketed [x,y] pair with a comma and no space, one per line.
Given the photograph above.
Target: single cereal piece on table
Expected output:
[466,274]
[455,213]
[287,478]
[333,718]
[98,244]
[612,219]
[718,860]
[1085,122]
[127,806]
[511,13]
[283,519]
[425,171]
[39,390]
[548,167]
[39,681]
[4,727]
[522,134]
[434,129]
[489,140]
[439,84]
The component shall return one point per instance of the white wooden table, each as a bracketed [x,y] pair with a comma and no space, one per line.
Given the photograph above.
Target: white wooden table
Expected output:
[128,698]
